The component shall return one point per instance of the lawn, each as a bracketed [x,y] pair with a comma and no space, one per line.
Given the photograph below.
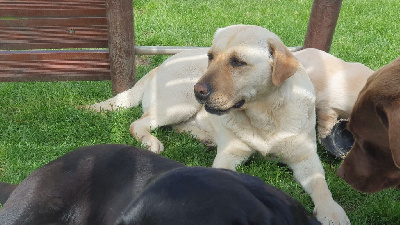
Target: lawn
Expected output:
[40,122]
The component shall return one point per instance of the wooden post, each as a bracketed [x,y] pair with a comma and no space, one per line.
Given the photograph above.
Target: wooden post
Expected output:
[322,24]
[121,43]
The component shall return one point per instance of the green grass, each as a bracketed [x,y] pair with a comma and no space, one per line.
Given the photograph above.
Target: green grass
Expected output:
[39,121]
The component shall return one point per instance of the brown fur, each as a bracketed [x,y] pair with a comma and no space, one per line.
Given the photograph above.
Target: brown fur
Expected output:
[373,163]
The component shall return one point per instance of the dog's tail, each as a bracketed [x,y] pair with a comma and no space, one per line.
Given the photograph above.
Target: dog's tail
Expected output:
[127,99]
[5,191]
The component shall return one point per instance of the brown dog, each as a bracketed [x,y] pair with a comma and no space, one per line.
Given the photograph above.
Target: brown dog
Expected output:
[373,163]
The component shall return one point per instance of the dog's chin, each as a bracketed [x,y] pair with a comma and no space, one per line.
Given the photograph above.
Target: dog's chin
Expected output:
[366,189]
[366,185]
[219,112]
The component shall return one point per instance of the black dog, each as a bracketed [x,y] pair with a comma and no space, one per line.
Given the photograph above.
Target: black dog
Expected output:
[118,184]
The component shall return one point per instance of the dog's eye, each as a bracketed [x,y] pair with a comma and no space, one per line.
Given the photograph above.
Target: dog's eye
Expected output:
[271,53]
[210,56]
[235,62]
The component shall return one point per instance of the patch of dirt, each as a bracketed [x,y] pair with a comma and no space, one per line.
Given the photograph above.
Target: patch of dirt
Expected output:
[143,60]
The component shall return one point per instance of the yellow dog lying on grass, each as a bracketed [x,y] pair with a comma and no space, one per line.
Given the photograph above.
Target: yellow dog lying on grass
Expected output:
[337,84]
[252,95]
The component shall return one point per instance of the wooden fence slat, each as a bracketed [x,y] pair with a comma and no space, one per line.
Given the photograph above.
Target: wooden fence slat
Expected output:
[64,76]
[8,12]
[54,65]
[52,8]
[20,38]
[43,22]
[52,1]
[22,46]
[53,55]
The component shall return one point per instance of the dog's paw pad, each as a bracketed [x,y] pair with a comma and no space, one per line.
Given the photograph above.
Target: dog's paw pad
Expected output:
[327,221]
[332,214]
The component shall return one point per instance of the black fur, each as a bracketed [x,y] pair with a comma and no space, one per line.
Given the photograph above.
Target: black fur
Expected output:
[118,184]
[5,191]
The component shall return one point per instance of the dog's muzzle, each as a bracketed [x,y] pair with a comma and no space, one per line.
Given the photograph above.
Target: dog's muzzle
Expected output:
[203,92]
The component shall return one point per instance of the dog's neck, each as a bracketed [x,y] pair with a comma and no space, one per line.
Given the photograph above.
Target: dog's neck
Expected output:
[273,110]
[268,107]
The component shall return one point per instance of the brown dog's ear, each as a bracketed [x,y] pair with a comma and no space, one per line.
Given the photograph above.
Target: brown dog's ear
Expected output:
[392,120]
[284,64]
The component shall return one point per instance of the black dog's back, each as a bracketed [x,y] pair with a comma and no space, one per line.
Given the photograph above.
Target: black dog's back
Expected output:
[5,191]
[90,185]
[118,184]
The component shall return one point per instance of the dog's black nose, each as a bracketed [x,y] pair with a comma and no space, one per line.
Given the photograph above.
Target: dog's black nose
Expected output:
[202,91]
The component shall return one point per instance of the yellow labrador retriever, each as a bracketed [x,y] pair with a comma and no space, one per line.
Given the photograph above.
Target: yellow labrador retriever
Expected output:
[252,95]
[337,84]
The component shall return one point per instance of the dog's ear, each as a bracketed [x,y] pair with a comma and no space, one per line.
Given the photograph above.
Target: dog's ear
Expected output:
[391,119]
[284,64]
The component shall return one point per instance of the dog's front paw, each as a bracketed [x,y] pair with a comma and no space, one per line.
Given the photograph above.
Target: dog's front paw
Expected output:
[153,144]
[331,214]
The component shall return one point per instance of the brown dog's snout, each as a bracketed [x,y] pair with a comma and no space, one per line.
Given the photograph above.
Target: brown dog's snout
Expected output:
[202,91]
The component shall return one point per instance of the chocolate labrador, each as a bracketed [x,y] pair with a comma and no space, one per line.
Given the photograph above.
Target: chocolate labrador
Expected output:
[373,163]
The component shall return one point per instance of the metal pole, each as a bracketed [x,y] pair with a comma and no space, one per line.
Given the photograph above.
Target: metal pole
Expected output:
[171,50]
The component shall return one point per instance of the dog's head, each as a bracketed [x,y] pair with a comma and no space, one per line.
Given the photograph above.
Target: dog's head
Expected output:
[245,62]
[373,163]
